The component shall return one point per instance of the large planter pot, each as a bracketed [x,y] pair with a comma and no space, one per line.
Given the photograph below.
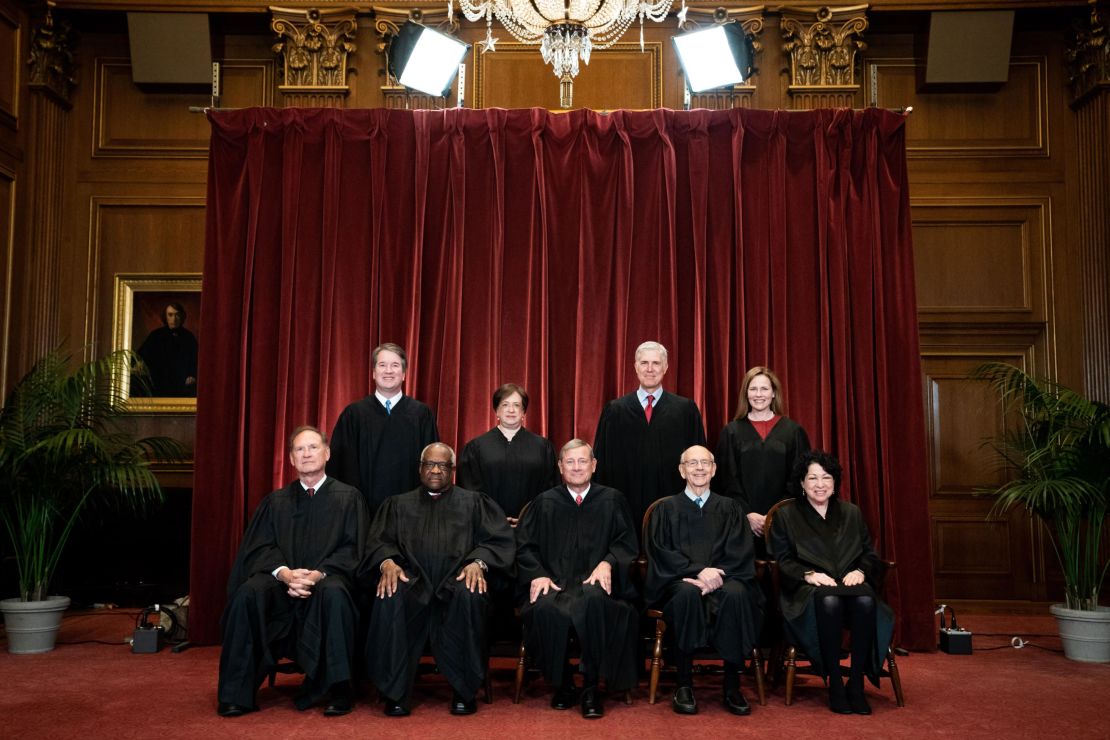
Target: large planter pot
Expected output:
[1085,634]
[33,625]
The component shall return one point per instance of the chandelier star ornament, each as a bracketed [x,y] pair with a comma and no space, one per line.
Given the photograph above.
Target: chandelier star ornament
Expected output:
[565,30]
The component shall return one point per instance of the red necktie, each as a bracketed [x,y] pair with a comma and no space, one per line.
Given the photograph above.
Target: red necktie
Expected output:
[578,499]
[647,409]
[311,492]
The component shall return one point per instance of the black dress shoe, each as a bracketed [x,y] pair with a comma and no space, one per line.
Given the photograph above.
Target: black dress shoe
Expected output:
[591,704]
[395,708]
[461,706]
[303,700]
[565,698]
[683,701]
[338,706]
[838,698]
[858,702]
[736,703]
[225,709]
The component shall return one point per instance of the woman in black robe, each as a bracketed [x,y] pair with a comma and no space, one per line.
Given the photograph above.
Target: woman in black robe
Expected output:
[829,575]
[508,463]
[757,450]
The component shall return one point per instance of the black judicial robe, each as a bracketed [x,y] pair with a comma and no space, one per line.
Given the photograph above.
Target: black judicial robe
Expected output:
[755,471]
[432,539]
[170,356]
[379,452]
[510,471]
[558,539]
[261,623]
[641,459]
[683,540]
[836,545]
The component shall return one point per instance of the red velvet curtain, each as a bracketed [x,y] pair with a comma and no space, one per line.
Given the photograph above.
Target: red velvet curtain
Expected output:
[540,248]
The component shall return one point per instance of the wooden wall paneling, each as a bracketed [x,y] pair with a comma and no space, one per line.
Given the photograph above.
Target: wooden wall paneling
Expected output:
[11,67]
[978,553]
[514,76]
[982,258]
[136,234]
[1011,122]
[7,269]
[131,122]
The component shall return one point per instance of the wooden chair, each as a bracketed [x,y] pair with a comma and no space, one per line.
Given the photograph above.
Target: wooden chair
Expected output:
[656,615]
[789,653]
[522,658]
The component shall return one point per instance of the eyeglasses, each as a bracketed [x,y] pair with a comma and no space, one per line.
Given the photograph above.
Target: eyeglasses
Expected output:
[698,463]
[436,465]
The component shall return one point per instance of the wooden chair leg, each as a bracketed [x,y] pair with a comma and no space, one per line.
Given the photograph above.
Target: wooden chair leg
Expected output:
[895,679]
[628,697]
[656,659]
[757,669]
[791,666]
[518,683]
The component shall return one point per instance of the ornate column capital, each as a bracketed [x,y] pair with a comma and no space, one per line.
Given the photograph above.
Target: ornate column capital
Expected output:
[751,20]
[1088,52]
[387,23]
[313,46]
[823,44]
[52,59]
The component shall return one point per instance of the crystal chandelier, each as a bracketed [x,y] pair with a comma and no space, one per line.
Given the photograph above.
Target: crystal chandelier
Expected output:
[565,30]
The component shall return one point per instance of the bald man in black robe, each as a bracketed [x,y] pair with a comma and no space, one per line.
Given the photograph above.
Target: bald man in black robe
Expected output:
[290,593]
[435,545]
[701,572]
[575,543]
[377,440]
[640,436]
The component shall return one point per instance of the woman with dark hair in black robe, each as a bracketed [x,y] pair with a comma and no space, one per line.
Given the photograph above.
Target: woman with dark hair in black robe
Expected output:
[757,450]
[508,463]
[829,575]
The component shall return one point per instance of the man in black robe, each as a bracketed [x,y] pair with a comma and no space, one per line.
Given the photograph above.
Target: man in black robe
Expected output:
[170,355]
[701,570]
[640,436]
[377,441]
[291,590]
[435,545]
[575,544]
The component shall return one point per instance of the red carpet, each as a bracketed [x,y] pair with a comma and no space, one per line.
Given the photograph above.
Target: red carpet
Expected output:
[95,690]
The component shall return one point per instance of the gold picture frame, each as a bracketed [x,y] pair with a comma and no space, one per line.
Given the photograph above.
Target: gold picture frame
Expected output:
[142,306]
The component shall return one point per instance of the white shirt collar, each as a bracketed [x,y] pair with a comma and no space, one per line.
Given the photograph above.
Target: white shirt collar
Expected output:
[392,399]
[318,486]
[642,395]
[693,497]
[573,495]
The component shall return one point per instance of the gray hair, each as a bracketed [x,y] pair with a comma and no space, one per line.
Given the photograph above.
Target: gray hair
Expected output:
[651,347]
[574,444]
[438,444]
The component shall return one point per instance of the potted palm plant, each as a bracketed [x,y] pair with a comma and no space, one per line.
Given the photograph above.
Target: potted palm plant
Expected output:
[62,453]
[1059,456]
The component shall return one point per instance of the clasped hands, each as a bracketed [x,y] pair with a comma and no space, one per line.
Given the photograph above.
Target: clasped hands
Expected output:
[708,580]
[854,578]
[601,576]
[299,581]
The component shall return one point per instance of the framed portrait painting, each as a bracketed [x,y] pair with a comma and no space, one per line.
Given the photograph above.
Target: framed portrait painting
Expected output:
[157,316]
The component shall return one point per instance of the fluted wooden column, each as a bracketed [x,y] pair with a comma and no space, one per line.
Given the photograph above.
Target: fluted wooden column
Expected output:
[50,84]
[1089,70]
